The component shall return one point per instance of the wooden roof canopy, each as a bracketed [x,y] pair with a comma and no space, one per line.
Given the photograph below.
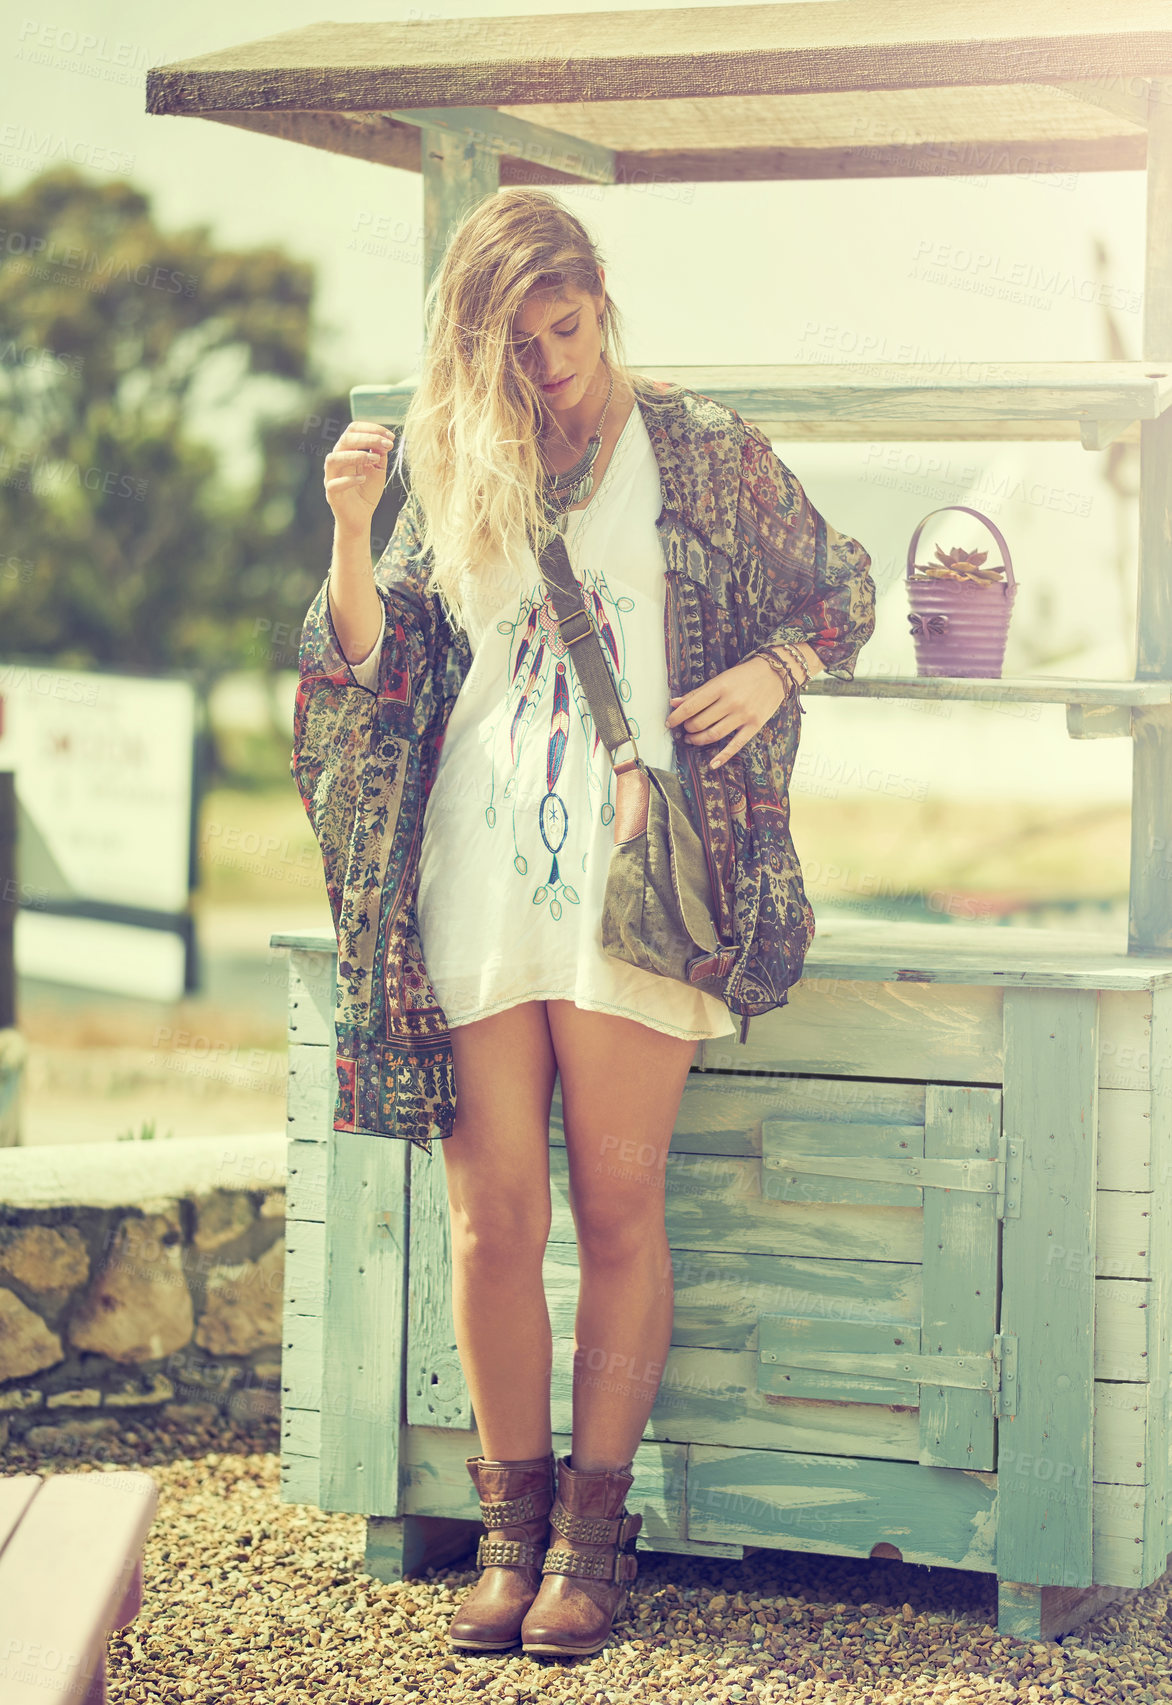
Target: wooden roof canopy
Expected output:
[820,89]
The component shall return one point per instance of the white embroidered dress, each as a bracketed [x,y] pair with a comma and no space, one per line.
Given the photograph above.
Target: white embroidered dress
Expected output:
[519,825]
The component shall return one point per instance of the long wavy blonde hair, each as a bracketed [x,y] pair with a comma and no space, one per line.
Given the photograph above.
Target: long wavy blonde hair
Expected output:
[469,435]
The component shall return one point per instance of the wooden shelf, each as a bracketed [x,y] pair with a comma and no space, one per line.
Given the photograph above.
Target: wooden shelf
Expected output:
[1092,402]
[1054,689]
[878,950]
[305,940]
[1028,957]
[825,429]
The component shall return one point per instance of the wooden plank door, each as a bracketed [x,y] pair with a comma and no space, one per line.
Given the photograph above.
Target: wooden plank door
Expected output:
[942,1358]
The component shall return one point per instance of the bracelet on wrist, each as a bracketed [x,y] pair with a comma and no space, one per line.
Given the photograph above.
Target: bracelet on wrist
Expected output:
[776,651]
[776,664]
[791,652]
[780,667]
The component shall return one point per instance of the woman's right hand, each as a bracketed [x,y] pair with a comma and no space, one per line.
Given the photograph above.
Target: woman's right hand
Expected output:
[356,472]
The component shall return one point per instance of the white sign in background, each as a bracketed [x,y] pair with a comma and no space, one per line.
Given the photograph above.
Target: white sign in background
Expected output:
[104,784]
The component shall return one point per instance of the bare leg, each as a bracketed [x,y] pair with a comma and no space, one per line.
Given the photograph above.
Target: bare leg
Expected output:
[497,1166]
[621,1088]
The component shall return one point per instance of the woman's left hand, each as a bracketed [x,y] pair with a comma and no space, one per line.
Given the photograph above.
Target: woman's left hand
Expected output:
[737,702]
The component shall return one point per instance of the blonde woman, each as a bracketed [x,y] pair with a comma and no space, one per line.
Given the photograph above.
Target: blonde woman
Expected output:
[716,590]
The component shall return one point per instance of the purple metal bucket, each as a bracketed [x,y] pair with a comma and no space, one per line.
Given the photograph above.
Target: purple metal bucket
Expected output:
[960,629]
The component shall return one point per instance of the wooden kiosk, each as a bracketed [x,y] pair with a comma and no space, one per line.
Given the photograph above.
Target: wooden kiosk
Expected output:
[920,1221]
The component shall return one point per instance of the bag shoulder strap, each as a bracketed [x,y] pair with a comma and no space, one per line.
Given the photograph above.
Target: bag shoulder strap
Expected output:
[576,626]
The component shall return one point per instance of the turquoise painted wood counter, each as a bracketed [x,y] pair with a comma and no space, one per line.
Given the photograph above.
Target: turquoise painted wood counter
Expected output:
[921,1245]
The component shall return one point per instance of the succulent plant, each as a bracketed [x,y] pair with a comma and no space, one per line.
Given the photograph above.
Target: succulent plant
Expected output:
[959,564]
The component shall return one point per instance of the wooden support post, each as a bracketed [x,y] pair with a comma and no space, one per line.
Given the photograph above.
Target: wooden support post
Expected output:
[8,893]
[1099,721]
[1150,906]
[397,1546]
[1157,1523]
[12,1047]
[1042,1613]
[457,173]
[1045,1470]
[505,134]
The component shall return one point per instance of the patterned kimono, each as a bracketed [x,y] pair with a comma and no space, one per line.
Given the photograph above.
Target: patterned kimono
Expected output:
[746,559]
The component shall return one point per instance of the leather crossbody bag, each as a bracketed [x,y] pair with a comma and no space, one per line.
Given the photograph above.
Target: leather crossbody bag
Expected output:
[657,910]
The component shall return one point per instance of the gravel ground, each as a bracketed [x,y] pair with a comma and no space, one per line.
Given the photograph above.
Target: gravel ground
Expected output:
[249,1599]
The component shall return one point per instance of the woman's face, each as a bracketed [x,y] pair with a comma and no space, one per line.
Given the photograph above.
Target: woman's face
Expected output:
[559,341]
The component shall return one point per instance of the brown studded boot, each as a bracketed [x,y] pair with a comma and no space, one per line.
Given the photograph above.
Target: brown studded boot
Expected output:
[515,1500]
[586,1578]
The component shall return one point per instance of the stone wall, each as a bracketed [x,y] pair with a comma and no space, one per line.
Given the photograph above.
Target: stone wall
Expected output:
[139,1276]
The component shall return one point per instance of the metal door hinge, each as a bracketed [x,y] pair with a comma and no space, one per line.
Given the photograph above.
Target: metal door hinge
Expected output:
[1005,1361]
[1009,1167]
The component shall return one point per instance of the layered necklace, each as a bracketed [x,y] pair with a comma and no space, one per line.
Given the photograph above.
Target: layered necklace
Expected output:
[561,491]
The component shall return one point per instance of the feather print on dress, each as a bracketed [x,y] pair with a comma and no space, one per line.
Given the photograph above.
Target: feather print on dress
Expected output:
[552,816]
[537,670]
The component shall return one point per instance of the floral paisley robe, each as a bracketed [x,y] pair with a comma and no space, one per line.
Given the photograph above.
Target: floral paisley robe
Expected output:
[747,558]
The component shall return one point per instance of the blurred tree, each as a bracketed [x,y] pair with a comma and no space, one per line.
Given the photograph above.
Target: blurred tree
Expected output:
[124,545]
[287,536]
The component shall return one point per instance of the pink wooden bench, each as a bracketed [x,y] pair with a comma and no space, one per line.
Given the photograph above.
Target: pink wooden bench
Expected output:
[70,1572]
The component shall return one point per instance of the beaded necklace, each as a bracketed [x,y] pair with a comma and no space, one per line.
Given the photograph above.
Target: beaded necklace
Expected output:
[560,492]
